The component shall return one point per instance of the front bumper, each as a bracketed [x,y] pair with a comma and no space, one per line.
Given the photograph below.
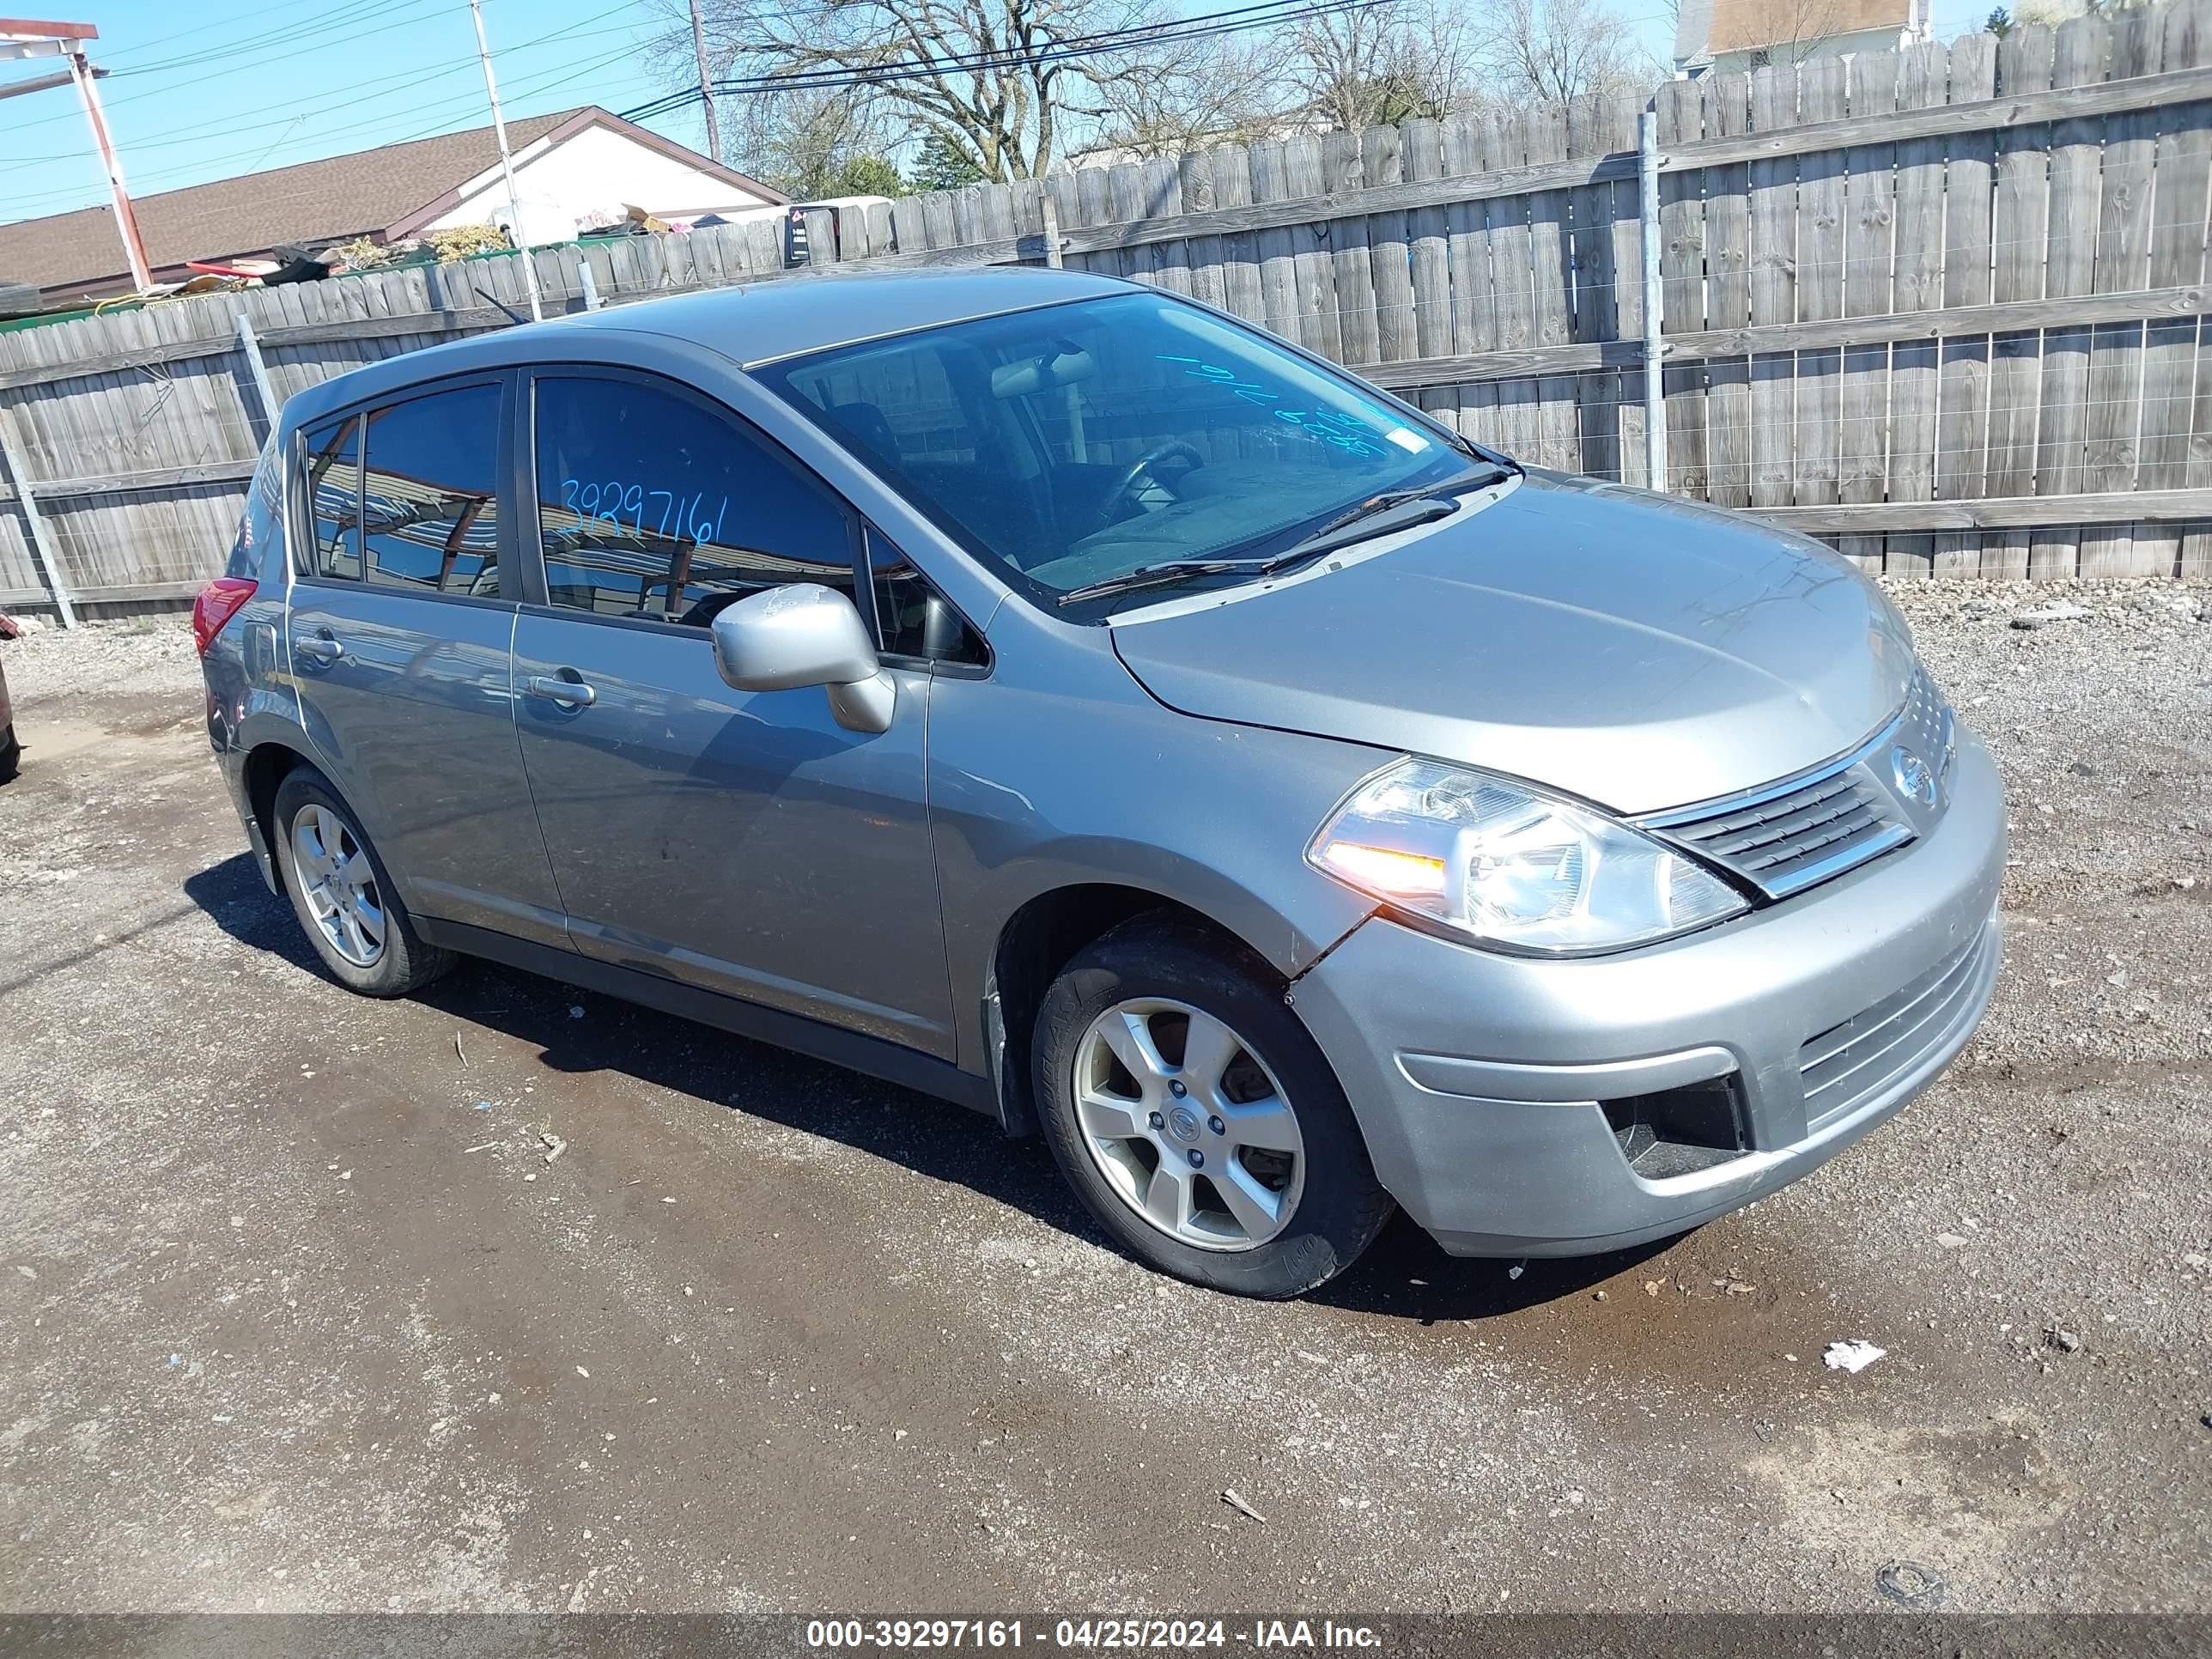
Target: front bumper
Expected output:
[1480,1079]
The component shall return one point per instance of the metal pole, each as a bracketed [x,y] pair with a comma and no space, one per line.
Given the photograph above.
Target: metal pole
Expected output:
[126,222]
[1654,302]
[250,344]
[507,164]
[42,545]
[43,84]
[706,86]
[591,284]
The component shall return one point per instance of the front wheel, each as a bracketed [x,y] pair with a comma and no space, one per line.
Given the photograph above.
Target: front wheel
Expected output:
[342,895]
[1198,1119]
[11,754]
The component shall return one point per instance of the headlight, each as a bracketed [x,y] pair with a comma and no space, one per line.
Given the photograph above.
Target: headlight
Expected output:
[1506,865]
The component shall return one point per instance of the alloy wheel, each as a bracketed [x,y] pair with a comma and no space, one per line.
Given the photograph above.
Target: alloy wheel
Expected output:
[339,883]
[1188,1125]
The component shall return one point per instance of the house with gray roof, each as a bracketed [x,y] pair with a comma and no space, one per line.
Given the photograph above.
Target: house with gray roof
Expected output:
[573,169]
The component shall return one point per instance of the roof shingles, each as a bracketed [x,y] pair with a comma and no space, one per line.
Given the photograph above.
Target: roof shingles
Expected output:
[1706,26]
[314,202]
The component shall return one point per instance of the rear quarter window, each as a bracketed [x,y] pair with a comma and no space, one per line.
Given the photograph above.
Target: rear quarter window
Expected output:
[334,500]
[260,542]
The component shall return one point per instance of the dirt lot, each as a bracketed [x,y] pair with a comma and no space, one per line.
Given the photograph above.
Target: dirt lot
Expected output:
[294,1315]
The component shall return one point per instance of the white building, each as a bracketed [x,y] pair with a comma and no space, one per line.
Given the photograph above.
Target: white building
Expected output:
[1728,36]
[584,173]
[572,169]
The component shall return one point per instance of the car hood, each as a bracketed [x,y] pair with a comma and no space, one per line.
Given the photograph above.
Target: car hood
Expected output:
[1640,652]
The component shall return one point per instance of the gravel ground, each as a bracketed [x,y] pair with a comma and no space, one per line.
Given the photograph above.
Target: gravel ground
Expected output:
[295,1315]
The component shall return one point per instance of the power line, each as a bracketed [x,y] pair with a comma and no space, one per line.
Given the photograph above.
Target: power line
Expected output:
[1259,14]
[539,86]
[132,51]
[1245,17]
[254,166]
[440,128]
[560,77]
[331,21]
[1262,14]
[409,79]
[252,63]
[1236,20]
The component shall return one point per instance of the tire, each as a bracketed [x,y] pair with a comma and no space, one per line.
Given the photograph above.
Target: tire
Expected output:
[400,961]
[1197,999]
[11,754]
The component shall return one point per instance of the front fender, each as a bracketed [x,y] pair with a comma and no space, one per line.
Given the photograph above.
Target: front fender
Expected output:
[1032,791]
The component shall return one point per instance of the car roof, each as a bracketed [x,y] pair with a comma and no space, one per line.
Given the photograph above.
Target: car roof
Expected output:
[747,323]
[758,322]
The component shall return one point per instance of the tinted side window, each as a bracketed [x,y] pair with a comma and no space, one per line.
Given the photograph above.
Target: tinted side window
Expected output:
[334,490]
[651,505]
[913,619]
[430,498]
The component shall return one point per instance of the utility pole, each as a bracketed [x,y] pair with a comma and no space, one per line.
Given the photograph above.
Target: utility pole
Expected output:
[127,217]
[1655,303]
[24,37]
[706,86]
[507,166]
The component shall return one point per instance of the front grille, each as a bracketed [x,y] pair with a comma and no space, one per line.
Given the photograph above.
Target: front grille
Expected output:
[1790,841]
[1787,835]
[1849,1063]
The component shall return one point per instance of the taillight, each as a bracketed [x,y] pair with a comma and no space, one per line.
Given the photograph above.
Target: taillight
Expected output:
[219,601]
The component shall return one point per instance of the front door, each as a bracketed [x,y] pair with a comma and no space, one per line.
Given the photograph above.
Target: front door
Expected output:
[400,627]
[743,842]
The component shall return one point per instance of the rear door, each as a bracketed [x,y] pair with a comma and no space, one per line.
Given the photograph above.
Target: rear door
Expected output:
[742,842]
[401,621]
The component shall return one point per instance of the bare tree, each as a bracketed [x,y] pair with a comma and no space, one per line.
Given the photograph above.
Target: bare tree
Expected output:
[1388,65]
[1229,89]
[991,80]
[1343,70]
[806,142]
[1556,50]
[1004,89]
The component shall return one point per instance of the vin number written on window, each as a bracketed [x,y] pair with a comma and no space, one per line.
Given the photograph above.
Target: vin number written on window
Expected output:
[628,507]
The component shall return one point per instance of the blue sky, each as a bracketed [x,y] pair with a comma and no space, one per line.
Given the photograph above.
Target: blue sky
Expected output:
[244,85]
[208,91]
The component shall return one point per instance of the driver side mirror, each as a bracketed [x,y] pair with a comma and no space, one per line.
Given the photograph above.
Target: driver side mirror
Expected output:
[783,638]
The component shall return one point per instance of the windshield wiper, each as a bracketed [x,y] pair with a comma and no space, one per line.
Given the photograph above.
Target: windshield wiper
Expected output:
[1360,525]
[1151,575]
[1375,505]
[1356,523]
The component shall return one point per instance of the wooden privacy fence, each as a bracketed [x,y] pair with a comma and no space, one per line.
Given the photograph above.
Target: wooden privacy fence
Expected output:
[1943,308]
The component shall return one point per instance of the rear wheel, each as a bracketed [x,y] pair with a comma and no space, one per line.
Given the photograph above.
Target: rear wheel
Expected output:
[11,753]
[342,895]
[1198,1119]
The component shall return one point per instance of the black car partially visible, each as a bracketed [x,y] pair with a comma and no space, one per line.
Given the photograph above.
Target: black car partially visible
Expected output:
[11,752]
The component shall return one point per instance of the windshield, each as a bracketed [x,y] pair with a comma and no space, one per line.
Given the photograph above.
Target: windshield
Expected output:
[1075,444]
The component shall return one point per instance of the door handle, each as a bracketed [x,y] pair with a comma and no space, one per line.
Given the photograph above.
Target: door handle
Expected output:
[322,649]
[553,689]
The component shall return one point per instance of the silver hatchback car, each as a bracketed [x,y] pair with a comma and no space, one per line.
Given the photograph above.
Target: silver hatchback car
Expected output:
[1058,696]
